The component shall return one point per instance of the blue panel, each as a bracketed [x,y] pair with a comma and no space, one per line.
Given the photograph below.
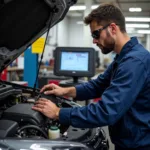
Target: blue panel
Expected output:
[30,67]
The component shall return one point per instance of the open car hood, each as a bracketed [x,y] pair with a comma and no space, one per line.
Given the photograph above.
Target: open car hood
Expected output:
[24,21]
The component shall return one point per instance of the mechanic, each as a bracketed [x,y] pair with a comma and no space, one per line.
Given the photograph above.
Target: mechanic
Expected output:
[124,87]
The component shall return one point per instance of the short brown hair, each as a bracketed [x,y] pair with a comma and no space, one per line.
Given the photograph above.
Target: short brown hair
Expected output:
[107,13]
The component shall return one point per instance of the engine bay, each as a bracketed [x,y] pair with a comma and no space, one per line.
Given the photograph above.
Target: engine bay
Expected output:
[17,116]
[18,120]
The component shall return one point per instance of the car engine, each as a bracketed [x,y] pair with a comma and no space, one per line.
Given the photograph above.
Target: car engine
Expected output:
[18,120]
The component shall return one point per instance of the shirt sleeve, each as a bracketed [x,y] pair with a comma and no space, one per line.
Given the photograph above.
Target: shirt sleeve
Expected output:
[116,100]
[94,88]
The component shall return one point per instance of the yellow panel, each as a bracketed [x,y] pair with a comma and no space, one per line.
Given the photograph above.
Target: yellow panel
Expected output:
[38,45]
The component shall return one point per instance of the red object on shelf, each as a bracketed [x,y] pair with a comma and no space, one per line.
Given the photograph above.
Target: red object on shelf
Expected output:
[4,75]
[51,62]
[54,81]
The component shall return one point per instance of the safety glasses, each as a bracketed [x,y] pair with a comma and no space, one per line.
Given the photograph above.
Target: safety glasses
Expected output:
[96,33]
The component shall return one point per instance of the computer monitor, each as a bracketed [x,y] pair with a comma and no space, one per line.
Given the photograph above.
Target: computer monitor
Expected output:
[74,62]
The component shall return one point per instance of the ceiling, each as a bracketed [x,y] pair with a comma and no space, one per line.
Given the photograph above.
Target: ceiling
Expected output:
[124,6]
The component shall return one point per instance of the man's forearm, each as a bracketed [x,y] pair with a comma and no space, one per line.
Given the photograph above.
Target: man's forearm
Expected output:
[71,92]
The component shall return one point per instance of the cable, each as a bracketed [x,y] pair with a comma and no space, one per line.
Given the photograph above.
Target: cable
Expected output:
[49,25]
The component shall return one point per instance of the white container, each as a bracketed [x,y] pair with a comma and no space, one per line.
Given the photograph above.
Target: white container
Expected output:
[53,132]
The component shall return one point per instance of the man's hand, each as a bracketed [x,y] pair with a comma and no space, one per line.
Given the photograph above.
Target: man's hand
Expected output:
[47,108]
[58,91]
[53,89]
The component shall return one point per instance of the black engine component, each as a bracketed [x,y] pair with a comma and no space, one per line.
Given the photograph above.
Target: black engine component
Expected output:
[6,90]
[8,128]
[94,138]
[32,131]
[23,113]
[97,139]
[76,134]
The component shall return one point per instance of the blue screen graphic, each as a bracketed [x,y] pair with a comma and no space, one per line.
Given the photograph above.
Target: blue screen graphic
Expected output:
[74,61]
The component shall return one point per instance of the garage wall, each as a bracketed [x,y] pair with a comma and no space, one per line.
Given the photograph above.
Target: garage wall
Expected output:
[63,33]
[75,32]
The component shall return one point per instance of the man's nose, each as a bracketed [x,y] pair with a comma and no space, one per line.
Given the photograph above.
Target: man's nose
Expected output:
[95,41]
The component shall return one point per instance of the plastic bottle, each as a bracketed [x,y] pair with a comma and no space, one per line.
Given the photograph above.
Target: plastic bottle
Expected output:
[53,132]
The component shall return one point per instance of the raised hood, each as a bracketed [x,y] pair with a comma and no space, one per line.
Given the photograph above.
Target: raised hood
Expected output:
[24,21]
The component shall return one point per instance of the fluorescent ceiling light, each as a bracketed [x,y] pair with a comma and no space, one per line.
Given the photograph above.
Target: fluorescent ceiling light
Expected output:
[128,26]
[137,26]
[94,6]
[137,19]
[130,32]
[130,29]
[144,31]
[81,7]
[73,8]
[135,9]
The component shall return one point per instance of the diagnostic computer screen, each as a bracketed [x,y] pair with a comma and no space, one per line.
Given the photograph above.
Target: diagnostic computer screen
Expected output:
[74,61]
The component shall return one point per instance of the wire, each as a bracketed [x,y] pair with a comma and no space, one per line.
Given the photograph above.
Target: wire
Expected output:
[49,25]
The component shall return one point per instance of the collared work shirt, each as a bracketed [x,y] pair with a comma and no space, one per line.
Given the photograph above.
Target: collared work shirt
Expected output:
[125,106]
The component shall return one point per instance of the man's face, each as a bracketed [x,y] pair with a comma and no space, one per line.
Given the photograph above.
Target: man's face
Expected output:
[102,37]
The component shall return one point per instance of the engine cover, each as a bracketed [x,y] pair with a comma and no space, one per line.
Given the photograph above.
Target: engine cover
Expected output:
[8,128]
[23,113]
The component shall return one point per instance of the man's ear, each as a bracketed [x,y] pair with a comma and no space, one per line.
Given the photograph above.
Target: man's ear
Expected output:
[113,28]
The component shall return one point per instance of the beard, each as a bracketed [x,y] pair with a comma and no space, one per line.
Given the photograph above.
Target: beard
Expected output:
[106,50]
[110,44]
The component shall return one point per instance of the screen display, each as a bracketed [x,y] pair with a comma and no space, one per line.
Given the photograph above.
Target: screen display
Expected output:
[74,61]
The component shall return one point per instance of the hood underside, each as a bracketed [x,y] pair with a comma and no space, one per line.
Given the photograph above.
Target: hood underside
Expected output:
[24,21]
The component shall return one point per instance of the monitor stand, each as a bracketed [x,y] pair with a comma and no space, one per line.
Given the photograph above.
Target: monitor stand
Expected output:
[75,81]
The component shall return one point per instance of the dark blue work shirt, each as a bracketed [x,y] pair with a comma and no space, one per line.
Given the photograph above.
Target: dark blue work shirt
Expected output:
[125,105]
